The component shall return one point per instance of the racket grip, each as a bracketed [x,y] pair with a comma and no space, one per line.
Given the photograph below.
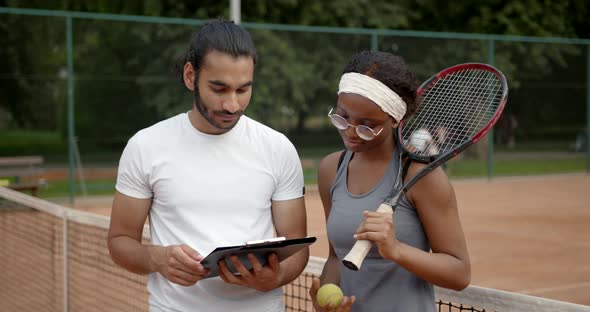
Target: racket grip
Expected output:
[355,257]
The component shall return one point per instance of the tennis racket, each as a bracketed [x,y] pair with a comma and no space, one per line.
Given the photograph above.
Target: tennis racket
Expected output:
[458,107]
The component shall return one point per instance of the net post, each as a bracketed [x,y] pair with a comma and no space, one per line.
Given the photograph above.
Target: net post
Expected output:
[65,258]
[235,8]
[588,108]
[490,160]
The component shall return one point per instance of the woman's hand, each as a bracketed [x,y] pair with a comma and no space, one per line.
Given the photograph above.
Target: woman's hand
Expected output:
[344,306]
[378,228]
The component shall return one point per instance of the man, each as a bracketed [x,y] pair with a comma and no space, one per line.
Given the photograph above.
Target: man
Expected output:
[207,178]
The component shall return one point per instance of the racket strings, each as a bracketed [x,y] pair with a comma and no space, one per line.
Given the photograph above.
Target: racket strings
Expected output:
[427,114]
[475,117]
[452,111]
[450,115]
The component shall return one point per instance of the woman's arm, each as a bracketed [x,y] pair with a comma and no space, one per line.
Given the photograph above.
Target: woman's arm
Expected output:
[326,174]
[448,264]
[331,272]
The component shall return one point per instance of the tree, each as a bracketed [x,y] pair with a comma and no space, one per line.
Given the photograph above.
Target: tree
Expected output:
[30,62]
[123,69]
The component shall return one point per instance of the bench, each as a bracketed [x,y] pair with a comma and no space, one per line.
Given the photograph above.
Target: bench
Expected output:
[21,173]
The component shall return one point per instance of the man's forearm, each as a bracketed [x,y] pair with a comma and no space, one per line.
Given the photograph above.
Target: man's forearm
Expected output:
[134,256]
[294,265]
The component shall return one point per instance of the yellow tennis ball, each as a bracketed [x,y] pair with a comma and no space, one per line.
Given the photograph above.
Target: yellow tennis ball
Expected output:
[329,294]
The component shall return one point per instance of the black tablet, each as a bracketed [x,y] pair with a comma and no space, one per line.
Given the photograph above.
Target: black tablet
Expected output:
[284,248]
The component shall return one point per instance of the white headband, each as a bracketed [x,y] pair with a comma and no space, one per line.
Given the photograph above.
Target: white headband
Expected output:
[375,91]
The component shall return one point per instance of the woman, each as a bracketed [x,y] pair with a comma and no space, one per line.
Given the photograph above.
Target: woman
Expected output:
[423,243]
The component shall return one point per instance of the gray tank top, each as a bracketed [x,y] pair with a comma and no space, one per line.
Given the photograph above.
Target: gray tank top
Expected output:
[380,285]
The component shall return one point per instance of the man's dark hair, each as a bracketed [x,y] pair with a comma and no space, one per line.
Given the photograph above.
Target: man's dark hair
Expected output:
[391,70]
[219,35]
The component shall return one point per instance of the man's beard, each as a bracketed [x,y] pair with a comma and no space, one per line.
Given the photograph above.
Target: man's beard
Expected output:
[208,115]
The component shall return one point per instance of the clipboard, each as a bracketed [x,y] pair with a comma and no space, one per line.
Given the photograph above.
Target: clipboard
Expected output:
[284,248]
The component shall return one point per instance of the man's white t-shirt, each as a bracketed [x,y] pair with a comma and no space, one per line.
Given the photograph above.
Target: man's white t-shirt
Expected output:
[210,191]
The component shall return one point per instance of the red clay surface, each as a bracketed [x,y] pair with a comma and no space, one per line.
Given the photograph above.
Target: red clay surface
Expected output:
[528,235]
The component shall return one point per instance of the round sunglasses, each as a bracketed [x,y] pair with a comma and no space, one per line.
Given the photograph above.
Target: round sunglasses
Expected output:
[362,131]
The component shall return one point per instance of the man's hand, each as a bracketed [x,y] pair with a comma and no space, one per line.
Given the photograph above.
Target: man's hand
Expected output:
[261,278]
[180,264]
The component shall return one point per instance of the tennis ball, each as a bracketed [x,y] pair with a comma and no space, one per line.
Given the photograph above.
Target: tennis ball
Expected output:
[329,294]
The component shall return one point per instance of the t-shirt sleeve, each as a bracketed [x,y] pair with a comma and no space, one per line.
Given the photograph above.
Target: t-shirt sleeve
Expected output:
[133,176]
[290,174]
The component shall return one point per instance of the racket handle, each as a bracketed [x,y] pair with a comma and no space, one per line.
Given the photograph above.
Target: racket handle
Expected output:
[359,251]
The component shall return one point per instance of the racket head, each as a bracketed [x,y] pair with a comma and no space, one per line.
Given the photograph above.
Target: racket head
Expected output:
[457,107]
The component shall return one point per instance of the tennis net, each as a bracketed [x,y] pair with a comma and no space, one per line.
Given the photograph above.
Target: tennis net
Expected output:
[473,298]
[56,259]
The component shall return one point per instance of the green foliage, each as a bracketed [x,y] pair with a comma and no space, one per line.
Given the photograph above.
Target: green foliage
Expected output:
[30,61]
[60,188]
[31,143]
[343,13]
[124,79]
[126,87]
[293,78]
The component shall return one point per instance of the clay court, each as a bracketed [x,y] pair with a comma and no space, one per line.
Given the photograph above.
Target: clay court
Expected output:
[528,235]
